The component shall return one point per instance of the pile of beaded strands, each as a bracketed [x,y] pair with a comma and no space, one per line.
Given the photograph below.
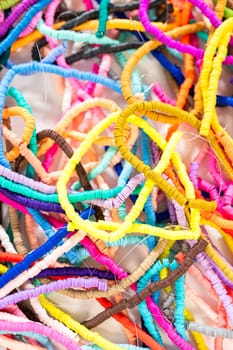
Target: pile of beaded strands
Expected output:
[111,175]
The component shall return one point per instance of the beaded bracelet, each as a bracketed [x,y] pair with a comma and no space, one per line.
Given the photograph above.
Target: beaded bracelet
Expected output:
[76,271]
[66,35]
[68,283]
